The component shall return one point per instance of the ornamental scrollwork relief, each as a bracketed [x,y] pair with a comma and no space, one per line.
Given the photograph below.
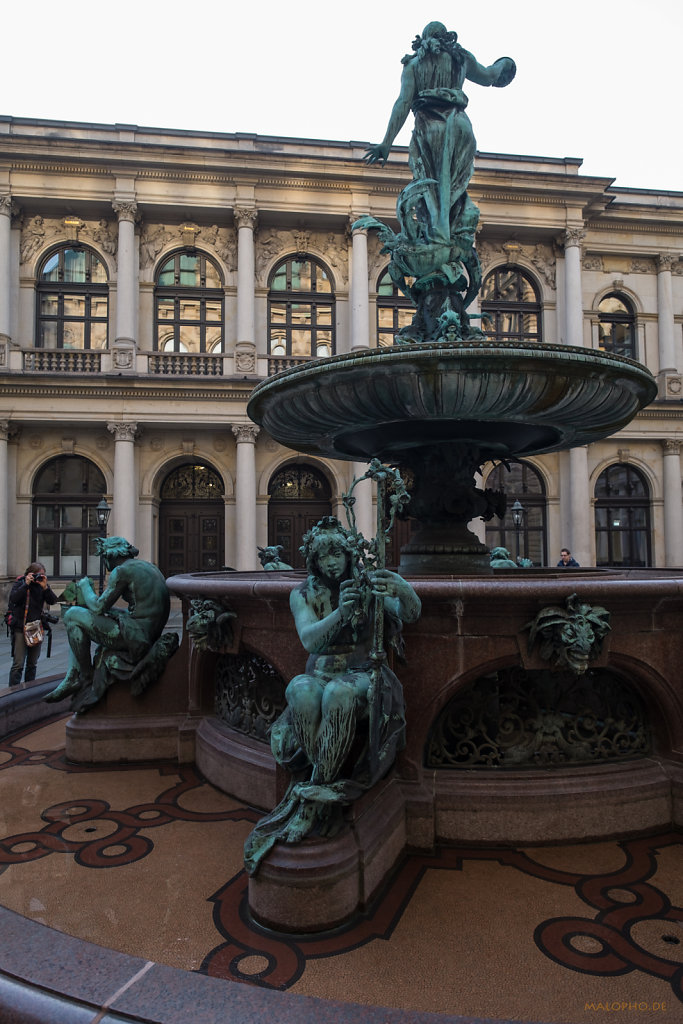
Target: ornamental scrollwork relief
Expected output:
[250,694]
[40,231]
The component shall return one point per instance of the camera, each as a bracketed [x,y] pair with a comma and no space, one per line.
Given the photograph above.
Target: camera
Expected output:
[49,620]
[38,577]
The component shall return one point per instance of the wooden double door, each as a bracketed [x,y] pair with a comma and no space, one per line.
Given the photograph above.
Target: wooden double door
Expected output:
[288,521]
[191,537]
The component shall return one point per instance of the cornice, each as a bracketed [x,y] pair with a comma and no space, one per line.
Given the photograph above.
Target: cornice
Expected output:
[634,223]
[40,386]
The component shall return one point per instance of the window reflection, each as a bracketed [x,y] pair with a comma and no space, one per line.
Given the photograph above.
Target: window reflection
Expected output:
[72,300]
[189,304]
[616,326]
[512,305]
[300,310]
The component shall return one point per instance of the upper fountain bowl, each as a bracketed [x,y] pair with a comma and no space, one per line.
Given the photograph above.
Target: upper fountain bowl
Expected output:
[506,398]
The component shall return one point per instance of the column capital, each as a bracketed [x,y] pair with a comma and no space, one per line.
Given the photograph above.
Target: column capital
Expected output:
[123,431]
[245,433]
[665,261]
[245,217]
[4,430]
[353,219]
[670,446]
[125,209]
[7,205]
[573,235]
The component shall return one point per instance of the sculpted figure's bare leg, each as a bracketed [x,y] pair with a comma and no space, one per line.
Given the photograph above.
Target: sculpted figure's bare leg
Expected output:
[79,672]
[304,695]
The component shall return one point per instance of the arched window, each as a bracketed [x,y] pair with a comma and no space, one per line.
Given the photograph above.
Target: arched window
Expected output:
[72,300]
[622,517]
[617,326]
[394,310]
[512,303]
[65,496]
[522,483]
[300,310]
[188,304]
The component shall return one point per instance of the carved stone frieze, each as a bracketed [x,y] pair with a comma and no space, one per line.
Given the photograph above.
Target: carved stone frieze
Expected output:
[541,256]
[39,231]
[331,248]
[593,263]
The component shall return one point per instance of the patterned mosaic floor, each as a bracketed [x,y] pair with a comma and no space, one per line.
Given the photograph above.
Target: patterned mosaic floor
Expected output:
[148,860]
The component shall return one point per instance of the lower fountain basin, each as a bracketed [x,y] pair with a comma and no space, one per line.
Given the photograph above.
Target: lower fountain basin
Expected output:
[504,398]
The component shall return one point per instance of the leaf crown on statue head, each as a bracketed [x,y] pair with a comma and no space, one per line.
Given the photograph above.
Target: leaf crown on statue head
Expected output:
[327,533]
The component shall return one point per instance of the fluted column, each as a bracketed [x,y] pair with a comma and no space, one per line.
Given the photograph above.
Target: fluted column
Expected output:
[673,503]
[5,267]
[579,506]
[4,497]
[246,557]
[245,219]
[124,495]
[573,298]
[360,298]
[126,287]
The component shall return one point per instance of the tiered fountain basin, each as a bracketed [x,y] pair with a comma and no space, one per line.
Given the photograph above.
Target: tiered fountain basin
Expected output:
[504,398]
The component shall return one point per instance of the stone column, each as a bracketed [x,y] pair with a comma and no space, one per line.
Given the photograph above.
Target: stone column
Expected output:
[4,497]
[5,268]
[579,507]
[573,299]
[124,496]
[124,348]
[673,503]
[245,219]
[360,299]
[366,520]
[668,378]
[246,556]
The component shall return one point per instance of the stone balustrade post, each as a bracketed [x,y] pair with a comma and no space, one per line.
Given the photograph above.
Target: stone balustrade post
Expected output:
[246,554]
[124,494]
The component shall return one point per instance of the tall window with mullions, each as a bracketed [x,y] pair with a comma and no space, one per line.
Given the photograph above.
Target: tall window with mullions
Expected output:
[301,309]
[65,496]
[511,306]
[189,302]
[622,517]
[72,300]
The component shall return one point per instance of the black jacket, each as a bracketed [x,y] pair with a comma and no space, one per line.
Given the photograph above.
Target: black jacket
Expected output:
[37,598]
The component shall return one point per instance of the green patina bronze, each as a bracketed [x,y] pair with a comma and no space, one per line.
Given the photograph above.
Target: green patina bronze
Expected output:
[433,259]
[131,645]
[344,721]
[569,637]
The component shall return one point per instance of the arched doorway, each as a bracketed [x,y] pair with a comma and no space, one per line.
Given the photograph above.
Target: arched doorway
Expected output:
[191,520]
[521,482]
[299,497]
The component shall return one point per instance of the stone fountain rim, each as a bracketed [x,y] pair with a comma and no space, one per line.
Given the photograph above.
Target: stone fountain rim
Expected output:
[452,349]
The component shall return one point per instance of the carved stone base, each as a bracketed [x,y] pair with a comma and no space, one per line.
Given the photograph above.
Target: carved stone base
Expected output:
[97,739]
[238,764]
[320,883]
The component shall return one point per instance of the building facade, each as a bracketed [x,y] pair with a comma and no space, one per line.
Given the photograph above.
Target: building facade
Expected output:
[149,279]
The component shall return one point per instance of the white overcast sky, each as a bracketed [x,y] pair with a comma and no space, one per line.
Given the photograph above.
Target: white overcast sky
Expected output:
[596,79]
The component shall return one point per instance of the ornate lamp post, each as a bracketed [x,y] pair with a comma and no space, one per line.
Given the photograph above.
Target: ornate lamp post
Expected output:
[103,511]
[518,511]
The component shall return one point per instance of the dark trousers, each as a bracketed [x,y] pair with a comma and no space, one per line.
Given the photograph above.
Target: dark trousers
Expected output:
[21,653]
